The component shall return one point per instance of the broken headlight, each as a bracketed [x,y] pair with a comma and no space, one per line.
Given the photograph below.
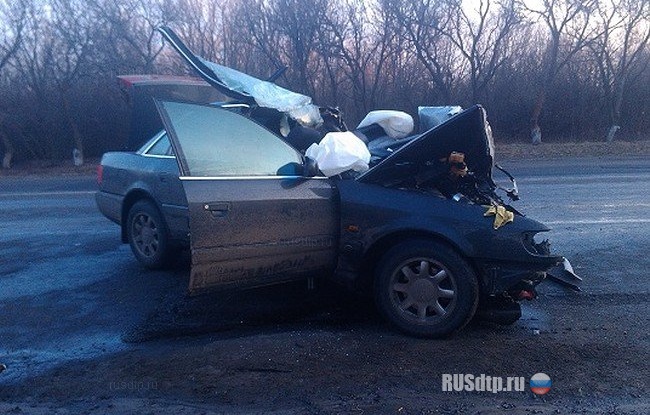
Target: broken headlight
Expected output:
[536,244]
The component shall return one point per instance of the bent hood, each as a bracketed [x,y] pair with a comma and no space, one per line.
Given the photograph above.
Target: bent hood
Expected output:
[467,132]
[246,88]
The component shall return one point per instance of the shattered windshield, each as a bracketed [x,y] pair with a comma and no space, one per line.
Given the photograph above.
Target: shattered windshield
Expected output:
[268,94]
[265,93]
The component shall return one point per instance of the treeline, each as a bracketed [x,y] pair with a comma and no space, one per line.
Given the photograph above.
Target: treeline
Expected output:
[558,69]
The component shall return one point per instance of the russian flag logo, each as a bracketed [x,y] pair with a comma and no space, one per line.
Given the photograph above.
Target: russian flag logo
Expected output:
[540,383]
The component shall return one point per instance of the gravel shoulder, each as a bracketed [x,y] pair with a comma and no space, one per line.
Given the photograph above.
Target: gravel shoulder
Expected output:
[616,149]
[504,151]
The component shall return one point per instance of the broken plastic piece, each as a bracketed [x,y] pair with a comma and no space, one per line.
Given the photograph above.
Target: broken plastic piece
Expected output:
[564,275]
[512,193]
[338,152]
[501,215]
[396,124]
[526,295]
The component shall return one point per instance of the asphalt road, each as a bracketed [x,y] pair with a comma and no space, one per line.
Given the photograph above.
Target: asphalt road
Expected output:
[84,328]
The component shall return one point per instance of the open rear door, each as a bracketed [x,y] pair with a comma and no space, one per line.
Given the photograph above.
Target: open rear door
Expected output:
[254,220]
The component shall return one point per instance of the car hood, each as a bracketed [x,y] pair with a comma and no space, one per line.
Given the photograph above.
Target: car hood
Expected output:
[467,132]
[245,88]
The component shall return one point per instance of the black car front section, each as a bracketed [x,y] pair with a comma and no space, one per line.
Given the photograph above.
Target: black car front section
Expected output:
[508,261]
[440,184]
[373,217]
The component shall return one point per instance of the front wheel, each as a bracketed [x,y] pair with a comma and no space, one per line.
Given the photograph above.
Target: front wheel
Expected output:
[426,289]
[148,236]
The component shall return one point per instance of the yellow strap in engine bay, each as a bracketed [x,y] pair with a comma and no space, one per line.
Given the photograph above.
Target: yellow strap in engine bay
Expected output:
[501,215]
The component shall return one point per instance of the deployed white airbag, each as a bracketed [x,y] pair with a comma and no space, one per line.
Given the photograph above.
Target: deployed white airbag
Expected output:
[339,152]
[396,124]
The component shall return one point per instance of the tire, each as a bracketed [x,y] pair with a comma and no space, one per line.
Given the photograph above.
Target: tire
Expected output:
[426,289]
[148,236]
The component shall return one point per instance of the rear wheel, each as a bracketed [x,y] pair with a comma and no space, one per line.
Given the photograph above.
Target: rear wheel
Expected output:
[148,236]
[426,289]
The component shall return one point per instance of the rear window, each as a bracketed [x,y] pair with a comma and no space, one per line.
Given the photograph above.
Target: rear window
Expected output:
[162,147]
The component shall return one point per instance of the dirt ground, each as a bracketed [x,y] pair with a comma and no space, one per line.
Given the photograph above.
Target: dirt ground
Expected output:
[527,151]
[334,355]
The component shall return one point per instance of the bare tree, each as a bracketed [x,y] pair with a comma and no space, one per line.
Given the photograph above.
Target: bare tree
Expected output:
[482,36]
[283,33]
[13,16]
[7,143]
[625,37]
[55,56]
[200,23]
[568,23]
[355,44]
[70,57]
[130,41]
[419,21]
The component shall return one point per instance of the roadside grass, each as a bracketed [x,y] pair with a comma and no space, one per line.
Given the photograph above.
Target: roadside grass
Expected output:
[504,151]
[510,151]
[51,168]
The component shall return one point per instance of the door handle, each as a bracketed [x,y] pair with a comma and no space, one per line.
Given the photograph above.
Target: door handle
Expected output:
[218,209]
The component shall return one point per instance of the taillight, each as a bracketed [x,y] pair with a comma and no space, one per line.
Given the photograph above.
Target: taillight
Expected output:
[100,174]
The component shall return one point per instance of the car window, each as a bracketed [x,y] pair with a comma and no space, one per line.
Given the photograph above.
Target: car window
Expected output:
[217,142]
[162,147]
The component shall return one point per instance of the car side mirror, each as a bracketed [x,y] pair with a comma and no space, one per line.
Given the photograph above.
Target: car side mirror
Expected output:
[310,167]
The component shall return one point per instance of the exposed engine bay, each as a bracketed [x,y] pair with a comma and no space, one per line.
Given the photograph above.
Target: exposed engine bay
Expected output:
[454,159]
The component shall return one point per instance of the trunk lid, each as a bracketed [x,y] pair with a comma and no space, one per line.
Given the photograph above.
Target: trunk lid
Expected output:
[139,92]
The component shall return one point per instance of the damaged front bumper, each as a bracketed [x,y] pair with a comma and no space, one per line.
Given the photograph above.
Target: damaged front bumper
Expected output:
[506,285]
[516,277]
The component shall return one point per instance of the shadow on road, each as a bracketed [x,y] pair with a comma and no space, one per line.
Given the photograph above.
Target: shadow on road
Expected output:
[271,308]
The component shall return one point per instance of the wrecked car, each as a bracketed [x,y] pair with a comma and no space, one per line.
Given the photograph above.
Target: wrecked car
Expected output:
[415,219]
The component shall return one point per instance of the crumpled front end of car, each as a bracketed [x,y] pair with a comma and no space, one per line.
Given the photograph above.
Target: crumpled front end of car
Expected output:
[527,263]
[447,191]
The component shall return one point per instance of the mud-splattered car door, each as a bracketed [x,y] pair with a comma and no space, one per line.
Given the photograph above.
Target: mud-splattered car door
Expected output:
[255,219]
